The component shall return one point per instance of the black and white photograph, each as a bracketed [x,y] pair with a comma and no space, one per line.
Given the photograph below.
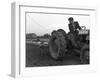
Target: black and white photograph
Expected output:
[52,40]
[57,39]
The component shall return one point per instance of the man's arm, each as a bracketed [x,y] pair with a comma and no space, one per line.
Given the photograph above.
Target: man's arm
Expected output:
[69,28]
[78,26]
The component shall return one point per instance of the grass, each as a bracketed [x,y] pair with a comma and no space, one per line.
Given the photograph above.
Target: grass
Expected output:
[39,56]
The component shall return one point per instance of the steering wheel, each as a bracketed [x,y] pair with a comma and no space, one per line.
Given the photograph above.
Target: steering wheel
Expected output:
[83,27]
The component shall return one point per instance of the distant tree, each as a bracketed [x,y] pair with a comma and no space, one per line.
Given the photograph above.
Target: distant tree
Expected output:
[46,35]
[33,35]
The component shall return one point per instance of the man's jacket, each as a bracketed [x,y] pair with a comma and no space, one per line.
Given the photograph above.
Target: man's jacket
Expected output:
[74,28]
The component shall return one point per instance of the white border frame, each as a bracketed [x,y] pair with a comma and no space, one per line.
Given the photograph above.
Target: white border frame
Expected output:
[19,11]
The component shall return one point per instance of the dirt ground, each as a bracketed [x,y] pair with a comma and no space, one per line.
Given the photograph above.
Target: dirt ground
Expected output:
[39,56]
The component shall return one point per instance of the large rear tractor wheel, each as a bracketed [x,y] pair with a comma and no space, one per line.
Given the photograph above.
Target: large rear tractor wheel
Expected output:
[57,45]
[84,56]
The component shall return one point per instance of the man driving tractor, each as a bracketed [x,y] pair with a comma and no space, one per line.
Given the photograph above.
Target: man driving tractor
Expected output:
[77,40]
[73,30]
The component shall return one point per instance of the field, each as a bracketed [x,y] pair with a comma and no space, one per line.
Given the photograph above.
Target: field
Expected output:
[39,56]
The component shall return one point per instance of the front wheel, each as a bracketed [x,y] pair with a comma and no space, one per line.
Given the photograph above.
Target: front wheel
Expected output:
[84,56]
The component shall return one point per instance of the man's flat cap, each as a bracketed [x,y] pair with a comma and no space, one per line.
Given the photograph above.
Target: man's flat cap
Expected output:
[71,18]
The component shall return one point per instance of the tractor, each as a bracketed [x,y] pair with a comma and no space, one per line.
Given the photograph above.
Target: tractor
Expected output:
[60,43]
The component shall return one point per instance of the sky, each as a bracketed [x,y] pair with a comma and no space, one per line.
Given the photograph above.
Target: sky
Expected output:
[45,23]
